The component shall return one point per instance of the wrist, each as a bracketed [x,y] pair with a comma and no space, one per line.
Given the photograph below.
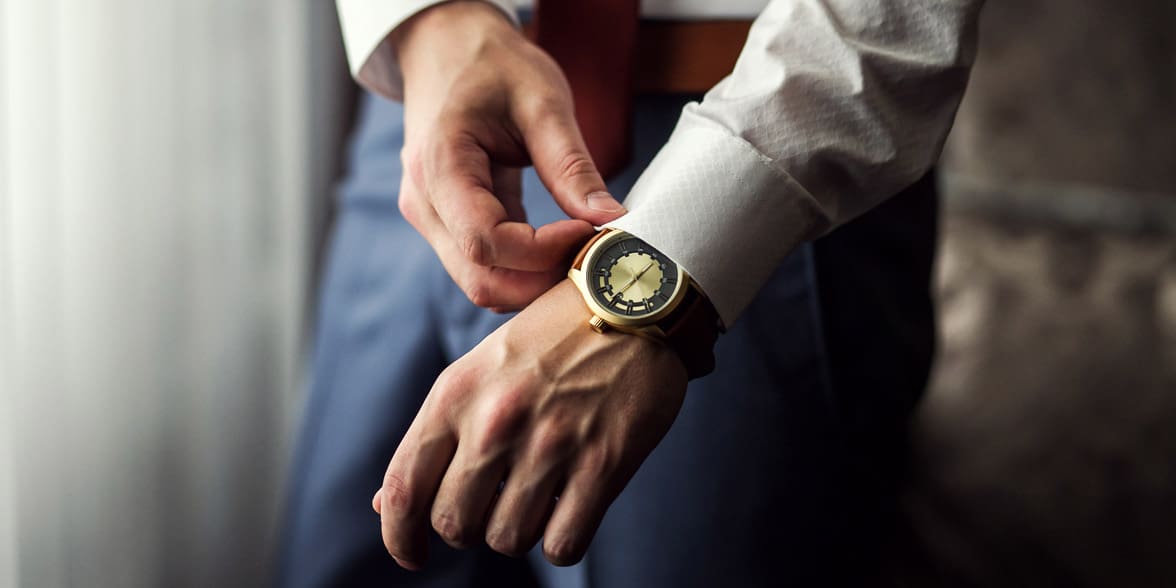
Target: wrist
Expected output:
[443,34]
[564,300]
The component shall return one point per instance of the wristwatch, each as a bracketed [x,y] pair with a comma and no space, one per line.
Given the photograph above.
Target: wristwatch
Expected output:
[632,287]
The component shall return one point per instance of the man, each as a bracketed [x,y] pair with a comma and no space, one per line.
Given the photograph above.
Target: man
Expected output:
[777,465]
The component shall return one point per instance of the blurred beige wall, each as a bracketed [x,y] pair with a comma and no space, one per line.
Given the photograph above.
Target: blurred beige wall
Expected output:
[1045,454]
[1075,92]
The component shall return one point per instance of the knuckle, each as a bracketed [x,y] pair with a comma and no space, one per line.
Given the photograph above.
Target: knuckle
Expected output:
[451,384]
[575,164]
[553,442]
[451,530]
[542,106]
[480,294]
[412,165]
[475,247]
[501,424]
[409,160]
[449,379]
[597,462]
[507,541]
[562,552]
[407,206]
[398,494]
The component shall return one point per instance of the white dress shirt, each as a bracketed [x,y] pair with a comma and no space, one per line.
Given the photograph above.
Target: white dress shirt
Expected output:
[833,106]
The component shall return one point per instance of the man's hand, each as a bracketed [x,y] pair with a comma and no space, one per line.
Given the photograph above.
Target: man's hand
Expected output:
[546,404]
[481,102]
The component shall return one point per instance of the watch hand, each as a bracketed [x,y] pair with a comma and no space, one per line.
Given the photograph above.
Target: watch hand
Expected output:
[625,287]
[642,272]
[634,279]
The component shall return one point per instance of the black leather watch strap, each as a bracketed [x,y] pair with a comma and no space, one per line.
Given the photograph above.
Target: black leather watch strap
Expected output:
[691,331]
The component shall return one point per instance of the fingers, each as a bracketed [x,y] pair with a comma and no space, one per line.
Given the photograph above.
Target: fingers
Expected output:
[459,187]
[563,163]
[582,504]
[489,287]
[412,479]
[464,499]
[528,496]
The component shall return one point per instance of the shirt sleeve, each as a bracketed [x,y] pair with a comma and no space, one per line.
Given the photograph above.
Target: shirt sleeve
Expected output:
[833,106]
[367,26]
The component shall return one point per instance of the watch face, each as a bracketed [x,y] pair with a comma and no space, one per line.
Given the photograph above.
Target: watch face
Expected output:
[629,278]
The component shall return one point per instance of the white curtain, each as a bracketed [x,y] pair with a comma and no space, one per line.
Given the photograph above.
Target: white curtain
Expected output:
[162,166]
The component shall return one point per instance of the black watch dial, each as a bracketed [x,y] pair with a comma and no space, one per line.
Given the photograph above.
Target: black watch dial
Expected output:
[630,278]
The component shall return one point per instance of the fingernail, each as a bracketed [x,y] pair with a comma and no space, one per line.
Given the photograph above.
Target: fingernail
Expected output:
[604,202]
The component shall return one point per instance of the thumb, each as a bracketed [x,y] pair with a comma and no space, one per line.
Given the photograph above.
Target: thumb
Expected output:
[564,165]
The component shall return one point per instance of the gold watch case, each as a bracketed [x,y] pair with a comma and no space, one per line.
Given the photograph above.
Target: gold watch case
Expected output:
[644,323]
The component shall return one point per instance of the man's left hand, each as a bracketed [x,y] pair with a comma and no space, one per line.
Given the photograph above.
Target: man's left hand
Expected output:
[532,433]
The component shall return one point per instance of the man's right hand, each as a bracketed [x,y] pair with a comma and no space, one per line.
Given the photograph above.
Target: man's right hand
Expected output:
[482,102]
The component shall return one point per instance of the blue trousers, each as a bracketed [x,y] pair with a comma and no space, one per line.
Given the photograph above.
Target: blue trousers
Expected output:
[778,470]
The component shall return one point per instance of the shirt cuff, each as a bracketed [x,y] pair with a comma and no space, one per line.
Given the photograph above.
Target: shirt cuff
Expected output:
[723,212]
[367,26]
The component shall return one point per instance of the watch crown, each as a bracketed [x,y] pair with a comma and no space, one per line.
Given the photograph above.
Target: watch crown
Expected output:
[596,323]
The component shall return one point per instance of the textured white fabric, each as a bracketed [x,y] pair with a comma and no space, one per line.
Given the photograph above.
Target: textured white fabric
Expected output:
[845,102]
[691,9]
[367,23]
[707,200]
[833,106]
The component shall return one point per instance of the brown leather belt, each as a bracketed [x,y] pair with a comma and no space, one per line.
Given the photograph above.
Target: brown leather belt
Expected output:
[687,57]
